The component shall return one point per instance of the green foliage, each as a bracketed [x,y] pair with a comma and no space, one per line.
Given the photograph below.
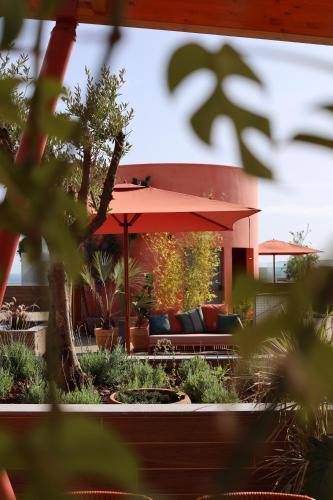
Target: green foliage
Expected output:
[143,302]
[184,268]
[6,383]
[146,397]
[205,387]
[168,267]
[13,13]
[15,77]
[142,182]
[15,316]
[19,360]
[299,265]
[87,395]
[318,481]
[77,447]
[190,366]
[204,384]
[317,140]
[106,281]
[201,259]
[224,63]
[35,392]
[96,364]
[143,375]
[100,117]
[106,367]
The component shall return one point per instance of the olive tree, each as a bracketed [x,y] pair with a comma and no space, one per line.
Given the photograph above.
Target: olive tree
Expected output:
[91,156]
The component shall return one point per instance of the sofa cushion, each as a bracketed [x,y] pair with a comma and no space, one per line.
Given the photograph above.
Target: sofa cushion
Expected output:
[175,324]
[198,324]
[226,323]
[186,322]
[159,323]
[210,313]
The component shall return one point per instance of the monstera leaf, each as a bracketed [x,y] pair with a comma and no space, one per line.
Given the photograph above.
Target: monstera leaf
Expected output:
[224,63]
[317,140]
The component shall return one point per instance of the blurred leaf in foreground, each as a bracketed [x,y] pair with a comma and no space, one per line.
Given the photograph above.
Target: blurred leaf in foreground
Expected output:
[224,63]
[65,450]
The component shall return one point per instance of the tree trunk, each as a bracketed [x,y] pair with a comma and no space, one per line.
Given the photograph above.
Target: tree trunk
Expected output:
[63,364]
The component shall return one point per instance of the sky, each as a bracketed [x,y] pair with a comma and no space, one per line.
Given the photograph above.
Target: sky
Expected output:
[297,79]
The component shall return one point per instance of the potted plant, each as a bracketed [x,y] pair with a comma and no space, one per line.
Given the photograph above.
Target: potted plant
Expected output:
[99,278]
[17,325]
[142,304]
[106,282]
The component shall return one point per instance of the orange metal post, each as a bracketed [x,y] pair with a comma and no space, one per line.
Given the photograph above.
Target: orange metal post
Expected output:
[54,66]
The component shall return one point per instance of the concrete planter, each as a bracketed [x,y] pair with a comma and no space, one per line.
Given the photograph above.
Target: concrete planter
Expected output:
[179,398]
[34,338]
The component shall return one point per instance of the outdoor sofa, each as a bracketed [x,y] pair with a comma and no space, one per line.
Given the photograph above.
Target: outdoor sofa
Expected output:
[209,326]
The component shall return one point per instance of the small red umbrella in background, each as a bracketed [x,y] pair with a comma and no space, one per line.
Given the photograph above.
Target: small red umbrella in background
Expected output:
[277,247]
[140,209]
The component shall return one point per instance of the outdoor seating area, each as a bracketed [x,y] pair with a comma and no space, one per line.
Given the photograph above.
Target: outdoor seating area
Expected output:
[150,346]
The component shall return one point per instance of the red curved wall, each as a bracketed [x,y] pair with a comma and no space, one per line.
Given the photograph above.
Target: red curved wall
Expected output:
[218,181]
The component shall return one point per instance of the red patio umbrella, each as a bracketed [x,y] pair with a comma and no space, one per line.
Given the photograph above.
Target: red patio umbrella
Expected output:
[140,209]
[277,247]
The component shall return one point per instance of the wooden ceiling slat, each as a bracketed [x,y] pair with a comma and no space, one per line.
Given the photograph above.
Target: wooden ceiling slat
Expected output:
[290,20]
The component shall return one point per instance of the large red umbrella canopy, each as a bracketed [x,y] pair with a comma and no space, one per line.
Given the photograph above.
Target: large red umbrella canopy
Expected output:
[140,209]
[151,210]
[277,247]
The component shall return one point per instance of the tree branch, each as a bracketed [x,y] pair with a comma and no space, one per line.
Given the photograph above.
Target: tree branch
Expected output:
[106,196]
[85,182]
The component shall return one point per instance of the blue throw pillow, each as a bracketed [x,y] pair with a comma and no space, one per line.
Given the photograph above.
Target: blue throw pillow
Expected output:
[186,322]
[159,324]
[226,323]
[197,323]
[202,319]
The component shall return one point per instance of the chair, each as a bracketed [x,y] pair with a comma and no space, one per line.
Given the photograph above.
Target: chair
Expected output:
[260,495]
[107,495]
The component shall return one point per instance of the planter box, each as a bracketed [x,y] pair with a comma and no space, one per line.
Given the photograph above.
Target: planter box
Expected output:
[183,451]
[34,338]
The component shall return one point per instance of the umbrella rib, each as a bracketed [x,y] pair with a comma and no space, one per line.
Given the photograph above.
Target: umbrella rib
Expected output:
[117,220]
[130,223]
[221,226]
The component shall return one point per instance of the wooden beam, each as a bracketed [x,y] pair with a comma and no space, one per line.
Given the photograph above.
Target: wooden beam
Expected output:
[309,21]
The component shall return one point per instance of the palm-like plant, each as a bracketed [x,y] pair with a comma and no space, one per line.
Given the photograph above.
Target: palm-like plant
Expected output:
[99,278]
[135,279]
[106,282]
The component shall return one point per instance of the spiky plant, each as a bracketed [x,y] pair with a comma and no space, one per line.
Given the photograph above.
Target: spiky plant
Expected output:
[106,282]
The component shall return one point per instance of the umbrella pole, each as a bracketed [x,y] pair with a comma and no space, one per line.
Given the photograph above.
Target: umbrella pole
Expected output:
[274,274]
[127,296]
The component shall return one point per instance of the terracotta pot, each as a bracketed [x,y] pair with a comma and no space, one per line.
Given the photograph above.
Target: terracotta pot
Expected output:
[184,400]
[106,338]
[140,337]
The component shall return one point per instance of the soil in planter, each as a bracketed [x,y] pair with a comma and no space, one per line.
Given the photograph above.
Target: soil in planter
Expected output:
[147,397]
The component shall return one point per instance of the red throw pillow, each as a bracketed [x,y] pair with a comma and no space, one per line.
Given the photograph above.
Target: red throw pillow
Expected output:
[175,324]
[210,313]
